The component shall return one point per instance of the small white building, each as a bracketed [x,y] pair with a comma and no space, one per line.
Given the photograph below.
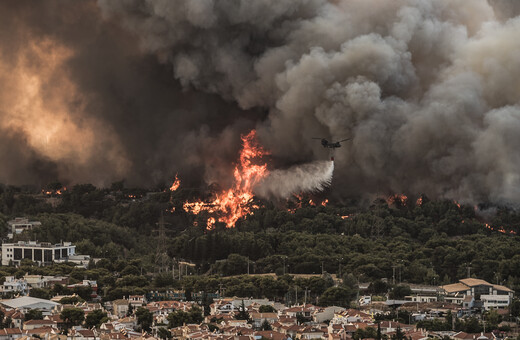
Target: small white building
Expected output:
[420,298]
[325,313]
[79,260]
[20,224]
[495,301]
[12,284]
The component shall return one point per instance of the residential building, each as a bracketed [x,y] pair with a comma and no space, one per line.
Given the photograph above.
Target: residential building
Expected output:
[32,324]
[120,307]
[87,283]
[79,260]
[10,333]
[325,313]
[42,253]
[349,316]
[484,294]
[259,318]
[20,224]
[137,300]
[11,284]
[420,298]
[82,334]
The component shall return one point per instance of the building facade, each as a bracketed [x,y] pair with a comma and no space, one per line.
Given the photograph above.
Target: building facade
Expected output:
[475,293]
[41,253]
[20,224]
[11,284]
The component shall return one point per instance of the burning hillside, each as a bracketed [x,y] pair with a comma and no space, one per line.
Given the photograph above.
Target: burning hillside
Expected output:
[230,205]
[251,176]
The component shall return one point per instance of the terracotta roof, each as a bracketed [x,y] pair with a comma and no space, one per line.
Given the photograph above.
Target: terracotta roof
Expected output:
[87,333]
[455,287]
[39,322]
[40,330]
[503,288]
[264,315]
[271,335]
[9,331]
[55,317]
[350,328]
[475,282]
[464,335]
[415,335]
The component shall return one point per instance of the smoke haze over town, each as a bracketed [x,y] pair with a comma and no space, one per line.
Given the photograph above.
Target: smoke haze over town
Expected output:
[429,92]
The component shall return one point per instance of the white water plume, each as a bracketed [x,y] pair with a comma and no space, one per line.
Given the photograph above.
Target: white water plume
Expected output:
[310,177]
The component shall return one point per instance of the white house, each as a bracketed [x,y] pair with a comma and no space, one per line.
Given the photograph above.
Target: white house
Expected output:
[20,224]
[14,285]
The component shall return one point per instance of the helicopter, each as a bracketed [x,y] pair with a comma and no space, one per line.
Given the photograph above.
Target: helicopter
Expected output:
[331,145]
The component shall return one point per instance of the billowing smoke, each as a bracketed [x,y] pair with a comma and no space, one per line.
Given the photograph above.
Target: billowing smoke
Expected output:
[428,90]
[310,177]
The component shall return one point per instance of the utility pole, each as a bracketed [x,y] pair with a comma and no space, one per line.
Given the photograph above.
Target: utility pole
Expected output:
[469,271]
[393,274]
[161,254]
[296,295]
[248,266]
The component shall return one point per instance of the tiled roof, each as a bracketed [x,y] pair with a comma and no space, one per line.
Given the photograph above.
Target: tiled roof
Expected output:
[10,331]
[503,288]
[475,282]
[455,287]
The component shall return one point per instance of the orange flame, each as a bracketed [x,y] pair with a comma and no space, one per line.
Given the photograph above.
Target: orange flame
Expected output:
[297,204]
[176,183]
[232,204]
[500,230]
[324,203]
[419,201]
[457,204]
[54,192]
[397,198]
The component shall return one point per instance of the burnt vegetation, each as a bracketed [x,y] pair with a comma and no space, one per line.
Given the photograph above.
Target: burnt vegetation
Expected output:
[428,243]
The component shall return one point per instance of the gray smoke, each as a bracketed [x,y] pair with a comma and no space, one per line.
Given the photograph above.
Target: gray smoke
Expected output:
[310,177]
[429,90]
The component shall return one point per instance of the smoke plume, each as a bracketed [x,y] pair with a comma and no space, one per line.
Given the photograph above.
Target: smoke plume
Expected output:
[310,177]
[429,91]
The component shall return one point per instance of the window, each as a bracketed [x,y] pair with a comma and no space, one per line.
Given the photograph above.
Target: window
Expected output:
[17,253]
[47,255]
[38,255]
[27,254]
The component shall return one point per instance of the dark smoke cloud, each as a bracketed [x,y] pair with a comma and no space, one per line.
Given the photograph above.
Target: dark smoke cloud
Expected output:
[80,95]
[428,90]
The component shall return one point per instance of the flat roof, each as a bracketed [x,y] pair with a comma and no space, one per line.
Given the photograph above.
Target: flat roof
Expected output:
[26,302]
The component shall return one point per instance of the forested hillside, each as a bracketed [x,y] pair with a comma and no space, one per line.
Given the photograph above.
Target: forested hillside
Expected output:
[430,242]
